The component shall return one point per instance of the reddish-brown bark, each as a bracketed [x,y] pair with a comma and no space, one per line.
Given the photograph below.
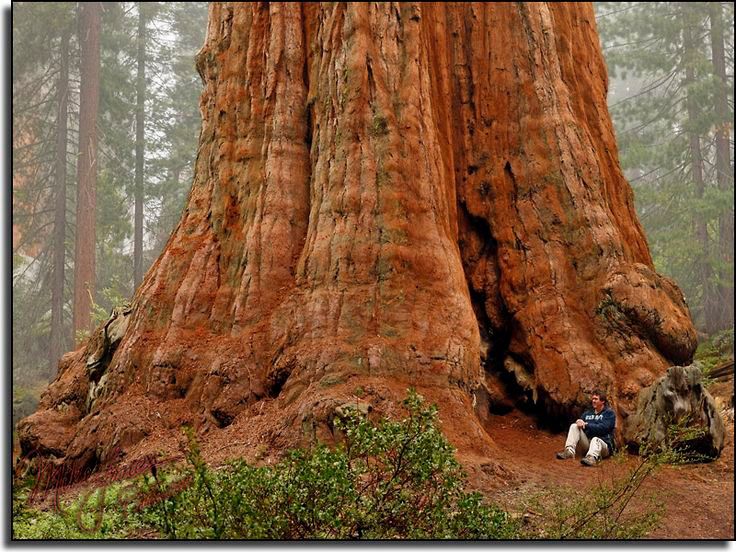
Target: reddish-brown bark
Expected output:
[386,195]
[84,247]
[724,168]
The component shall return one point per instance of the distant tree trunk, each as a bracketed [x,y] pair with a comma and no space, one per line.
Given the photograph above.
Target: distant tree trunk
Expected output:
[724,169]
[700,224]
[139,148]
[162,236]
[57,287]
[84,250]
[385,195]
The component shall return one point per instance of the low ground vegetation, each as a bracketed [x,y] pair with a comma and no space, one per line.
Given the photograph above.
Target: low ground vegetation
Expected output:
[395,479]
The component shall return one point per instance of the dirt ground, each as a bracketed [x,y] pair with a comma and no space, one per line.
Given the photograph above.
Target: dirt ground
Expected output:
[699,498]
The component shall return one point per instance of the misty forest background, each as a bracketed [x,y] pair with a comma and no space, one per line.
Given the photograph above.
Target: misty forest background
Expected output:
[670,96]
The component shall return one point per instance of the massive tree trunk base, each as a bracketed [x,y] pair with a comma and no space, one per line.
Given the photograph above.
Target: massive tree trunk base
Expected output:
[376,205]
[299,414]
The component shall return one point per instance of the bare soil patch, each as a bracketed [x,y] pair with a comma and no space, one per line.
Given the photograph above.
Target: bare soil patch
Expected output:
[698,498]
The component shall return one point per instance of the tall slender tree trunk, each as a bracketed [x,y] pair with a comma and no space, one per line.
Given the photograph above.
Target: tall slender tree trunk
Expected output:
[385,195]
[84,249]
[57,288]
[139,148]
[700,224]
[724,168]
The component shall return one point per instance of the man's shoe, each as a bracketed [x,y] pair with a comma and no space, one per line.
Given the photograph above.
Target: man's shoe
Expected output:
[565,454]
[590,461]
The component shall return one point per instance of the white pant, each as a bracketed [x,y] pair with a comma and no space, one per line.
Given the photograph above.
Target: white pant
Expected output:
[576,438]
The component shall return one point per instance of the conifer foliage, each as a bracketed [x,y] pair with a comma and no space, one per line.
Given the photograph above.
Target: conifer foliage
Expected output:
[671,70]
[51,92]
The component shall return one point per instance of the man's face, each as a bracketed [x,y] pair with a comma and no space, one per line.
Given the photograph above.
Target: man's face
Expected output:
[597,403]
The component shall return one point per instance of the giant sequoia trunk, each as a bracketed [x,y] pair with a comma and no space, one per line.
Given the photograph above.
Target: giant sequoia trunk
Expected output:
[386,195]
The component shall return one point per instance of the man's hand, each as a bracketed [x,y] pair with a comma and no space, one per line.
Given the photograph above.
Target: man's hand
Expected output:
[580,423]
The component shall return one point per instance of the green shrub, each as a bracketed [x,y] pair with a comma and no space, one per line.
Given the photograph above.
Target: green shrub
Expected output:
[396,479]
[391,480]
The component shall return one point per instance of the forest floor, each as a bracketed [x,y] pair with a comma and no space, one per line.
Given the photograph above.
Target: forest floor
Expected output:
[698,499]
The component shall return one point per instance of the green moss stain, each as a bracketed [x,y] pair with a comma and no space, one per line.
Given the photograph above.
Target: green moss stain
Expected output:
[383,269]
[378,127]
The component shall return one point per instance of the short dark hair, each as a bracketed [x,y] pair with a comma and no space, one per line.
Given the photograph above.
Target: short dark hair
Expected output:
[601,395]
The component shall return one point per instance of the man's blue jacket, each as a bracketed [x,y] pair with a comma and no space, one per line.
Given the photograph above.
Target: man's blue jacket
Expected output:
[601,425]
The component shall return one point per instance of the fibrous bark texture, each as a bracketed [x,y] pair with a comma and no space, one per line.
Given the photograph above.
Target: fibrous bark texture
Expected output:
[386,195]
[89,99]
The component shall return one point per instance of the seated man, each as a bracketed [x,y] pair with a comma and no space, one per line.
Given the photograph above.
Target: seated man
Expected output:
[594,432]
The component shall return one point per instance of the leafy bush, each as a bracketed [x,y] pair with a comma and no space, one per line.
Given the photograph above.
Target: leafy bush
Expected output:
[391,480]
[683,439]
[397,479]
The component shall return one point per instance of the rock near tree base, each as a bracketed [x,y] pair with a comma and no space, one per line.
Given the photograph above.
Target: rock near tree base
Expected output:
[677,399]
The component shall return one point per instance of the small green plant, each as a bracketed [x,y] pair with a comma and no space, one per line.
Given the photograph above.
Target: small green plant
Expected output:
[102,513]
[682,439]
[99,313]
[378,126]
[396,479]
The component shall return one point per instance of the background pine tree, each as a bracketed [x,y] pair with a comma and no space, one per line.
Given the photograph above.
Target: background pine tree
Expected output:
[175,32]
[664,101]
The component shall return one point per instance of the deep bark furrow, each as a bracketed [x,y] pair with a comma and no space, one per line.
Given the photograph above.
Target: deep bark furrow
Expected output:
[389,195]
